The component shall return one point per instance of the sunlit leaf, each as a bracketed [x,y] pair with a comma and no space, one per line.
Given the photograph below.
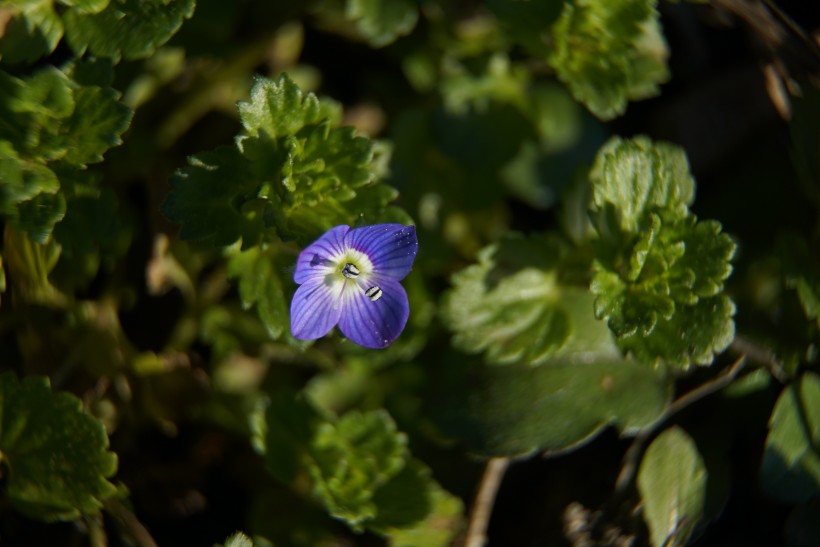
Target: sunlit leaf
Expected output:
[790,471]
[672,484]
[609,52]
[56,456]
[657,268]
[513,306]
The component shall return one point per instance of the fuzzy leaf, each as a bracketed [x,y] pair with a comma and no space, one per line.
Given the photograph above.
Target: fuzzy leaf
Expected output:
[383,21]
[659,273]
[790,471]
[609,52]
[293,174]
[56,456]
[672,484]
[132,29]
[512,306]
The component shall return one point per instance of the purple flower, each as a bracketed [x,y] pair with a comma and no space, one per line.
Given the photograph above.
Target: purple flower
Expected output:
[350,277]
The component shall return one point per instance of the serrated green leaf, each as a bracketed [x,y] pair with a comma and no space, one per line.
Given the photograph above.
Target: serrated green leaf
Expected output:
[57,456]
[609,52]
[659,273]
[259,275]
[639,177]
[512,306]
[293,175]
[352,459]
[790,471]
[672,484]
[554,407]
[279,108]
[48,122]
[95,125]
[360,469]
[382,21]
[204,198]
[131,29]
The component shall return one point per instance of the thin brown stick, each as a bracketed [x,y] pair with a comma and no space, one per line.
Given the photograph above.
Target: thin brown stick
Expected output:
[636,449]
[484,501]
[761,355]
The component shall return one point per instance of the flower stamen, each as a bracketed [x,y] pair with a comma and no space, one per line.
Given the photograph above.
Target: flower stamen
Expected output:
[373,293]
[350,271]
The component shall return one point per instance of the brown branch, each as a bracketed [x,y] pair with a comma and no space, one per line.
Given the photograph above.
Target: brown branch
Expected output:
[636,449]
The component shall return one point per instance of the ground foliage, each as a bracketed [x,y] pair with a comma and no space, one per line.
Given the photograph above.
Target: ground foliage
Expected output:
[617,288]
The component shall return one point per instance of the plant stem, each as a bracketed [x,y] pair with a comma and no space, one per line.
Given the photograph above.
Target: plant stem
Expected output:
[484,501]
[636,449]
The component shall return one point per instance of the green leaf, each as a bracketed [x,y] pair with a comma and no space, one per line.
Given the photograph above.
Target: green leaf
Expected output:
[293,175]
[33,30]
[239,539]
[639,177]
[352,459]
[259,272]
[56,456]
[132,29]
[659,273]
[414,511]
[672,484]
[279,108]
[360,469]
[92,233]
[801,272]
[50,122]
[383,21]
[609,52]
[556,406]
[512,306]
[790,471]
[526,21]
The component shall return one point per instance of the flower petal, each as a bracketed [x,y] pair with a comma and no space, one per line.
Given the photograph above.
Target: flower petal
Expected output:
[374,323]
[315,308]
[391,248]
[313,260]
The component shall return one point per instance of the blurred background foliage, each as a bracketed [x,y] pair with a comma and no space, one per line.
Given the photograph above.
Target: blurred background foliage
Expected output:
[159,176]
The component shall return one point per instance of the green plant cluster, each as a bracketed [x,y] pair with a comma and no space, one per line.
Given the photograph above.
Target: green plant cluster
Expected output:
[575,312]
